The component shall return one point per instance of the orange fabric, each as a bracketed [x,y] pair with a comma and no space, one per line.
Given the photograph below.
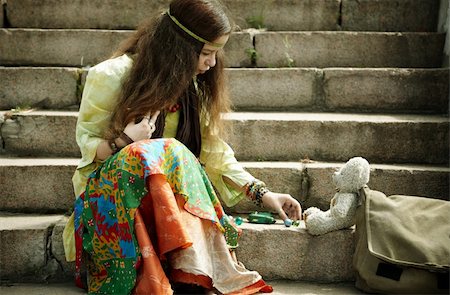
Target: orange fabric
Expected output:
[159,230]
[259,286]
[180,276]
[159,204]
[151,278]
[161,215]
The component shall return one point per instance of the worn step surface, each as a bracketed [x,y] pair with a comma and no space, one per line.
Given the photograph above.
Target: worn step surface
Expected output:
[349,49]
[274,89]
[259,136]
[281,287]
[44,184]
[304,15]
[336,136]
[301,256]
[40,87]
[70,47]
[75,47]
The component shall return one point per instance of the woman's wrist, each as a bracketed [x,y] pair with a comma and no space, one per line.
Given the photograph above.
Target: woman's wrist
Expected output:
[125,139]
[120,142]
[255,190]
[114,146]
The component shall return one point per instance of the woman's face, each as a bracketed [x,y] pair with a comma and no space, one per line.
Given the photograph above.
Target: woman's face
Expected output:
[207,58]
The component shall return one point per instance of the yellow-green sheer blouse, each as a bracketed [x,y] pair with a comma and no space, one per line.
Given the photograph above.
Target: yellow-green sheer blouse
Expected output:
[101,91]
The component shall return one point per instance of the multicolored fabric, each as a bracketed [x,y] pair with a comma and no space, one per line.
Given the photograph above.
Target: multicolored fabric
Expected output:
[105,212]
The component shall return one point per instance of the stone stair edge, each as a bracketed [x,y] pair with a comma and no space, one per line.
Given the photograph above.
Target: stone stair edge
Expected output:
[399,90]
[240,49]
[308,181]
[281,287]
[325,132]
[335,15]
[20,161]
[244,69]
[249,32]
[271,116]
[47,240]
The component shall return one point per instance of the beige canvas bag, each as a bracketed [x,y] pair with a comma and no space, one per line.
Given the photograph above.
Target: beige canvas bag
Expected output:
[402,244]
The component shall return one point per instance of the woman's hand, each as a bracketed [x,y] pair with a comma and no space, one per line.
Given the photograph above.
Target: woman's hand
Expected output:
[285,205]
[143,129]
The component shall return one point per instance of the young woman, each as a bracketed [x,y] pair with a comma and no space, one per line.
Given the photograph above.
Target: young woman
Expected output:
[148,218]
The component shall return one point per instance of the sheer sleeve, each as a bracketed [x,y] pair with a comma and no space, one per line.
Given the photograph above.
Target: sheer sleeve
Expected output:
[218,159]
[101,91]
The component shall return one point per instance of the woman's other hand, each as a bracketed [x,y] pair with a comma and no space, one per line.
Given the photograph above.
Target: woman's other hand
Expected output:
[143,129]
[285,205]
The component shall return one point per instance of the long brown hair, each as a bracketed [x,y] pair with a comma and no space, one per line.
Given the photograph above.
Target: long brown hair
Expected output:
[165,61]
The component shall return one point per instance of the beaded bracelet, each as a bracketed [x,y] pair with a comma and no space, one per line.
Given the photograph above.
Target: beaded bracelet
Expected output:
[113,146]
[126,138]
[255,191]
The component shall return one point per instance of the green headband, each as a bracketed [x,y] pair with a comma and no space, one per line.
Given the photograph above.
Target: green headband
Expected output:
[192,34]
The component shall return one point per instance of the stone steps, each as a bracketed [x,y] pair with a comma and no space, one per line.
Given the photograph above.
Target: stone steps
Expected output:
[319,79]
[32,251]
[74,47]
[281,287]
[304,15]
[257,136]
[43,185]
[411,90]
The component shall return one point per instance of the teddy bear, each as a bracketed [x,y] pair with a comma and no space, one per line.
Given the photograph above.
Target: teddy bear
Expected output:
[349,179]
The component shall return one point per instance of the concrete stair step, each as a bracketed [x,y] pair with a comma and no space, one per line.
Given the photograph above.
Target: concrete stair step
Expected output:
[27,248]
[32,251]
[40,87]
[330,89]
[349,49]
[305,15]
[380,138]
[75,47]
[340,89]
[44,185]
[281,287]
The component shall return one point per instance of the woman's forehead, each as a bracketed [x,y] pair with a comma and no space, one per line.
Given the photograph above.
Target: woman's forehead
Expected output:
[221,40]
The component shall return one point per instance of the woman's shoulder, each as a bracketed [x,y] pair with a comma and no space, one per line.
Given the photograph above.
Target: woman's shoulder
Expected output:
[113,67]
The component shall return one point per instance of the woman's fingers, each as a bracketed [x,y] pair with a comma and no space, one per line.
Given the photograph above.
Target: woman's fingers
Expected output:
[151,120]
[284,204]
[292,208]
[282,214]
[154,117]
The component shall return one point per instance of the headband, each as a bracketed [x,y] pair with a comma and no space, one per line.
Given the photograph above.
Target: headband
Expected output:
[192,34]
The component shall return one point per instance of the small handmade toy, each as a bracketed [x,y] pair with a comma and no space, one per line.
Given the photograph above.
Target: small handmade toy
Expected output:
[348,180]
[265,218]
[261,217]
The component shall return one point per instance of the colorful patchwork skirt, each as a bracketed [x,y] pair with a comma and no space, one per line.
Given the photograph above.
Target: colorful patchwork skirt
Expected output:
[149,216]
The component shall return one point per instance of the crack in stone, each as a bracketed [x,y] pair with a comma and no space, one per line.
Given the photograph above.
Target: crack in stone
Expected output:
[2,141]
[6,23]
[304,184]
[53,268]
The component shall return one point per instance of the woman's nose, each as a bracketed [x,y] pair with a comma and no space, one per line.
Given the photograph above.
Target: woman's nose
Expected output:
[211,62]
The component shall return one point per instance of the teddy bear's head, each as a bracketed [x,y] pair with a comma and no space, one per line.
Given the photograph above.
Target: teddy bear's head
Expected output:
[352,176]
